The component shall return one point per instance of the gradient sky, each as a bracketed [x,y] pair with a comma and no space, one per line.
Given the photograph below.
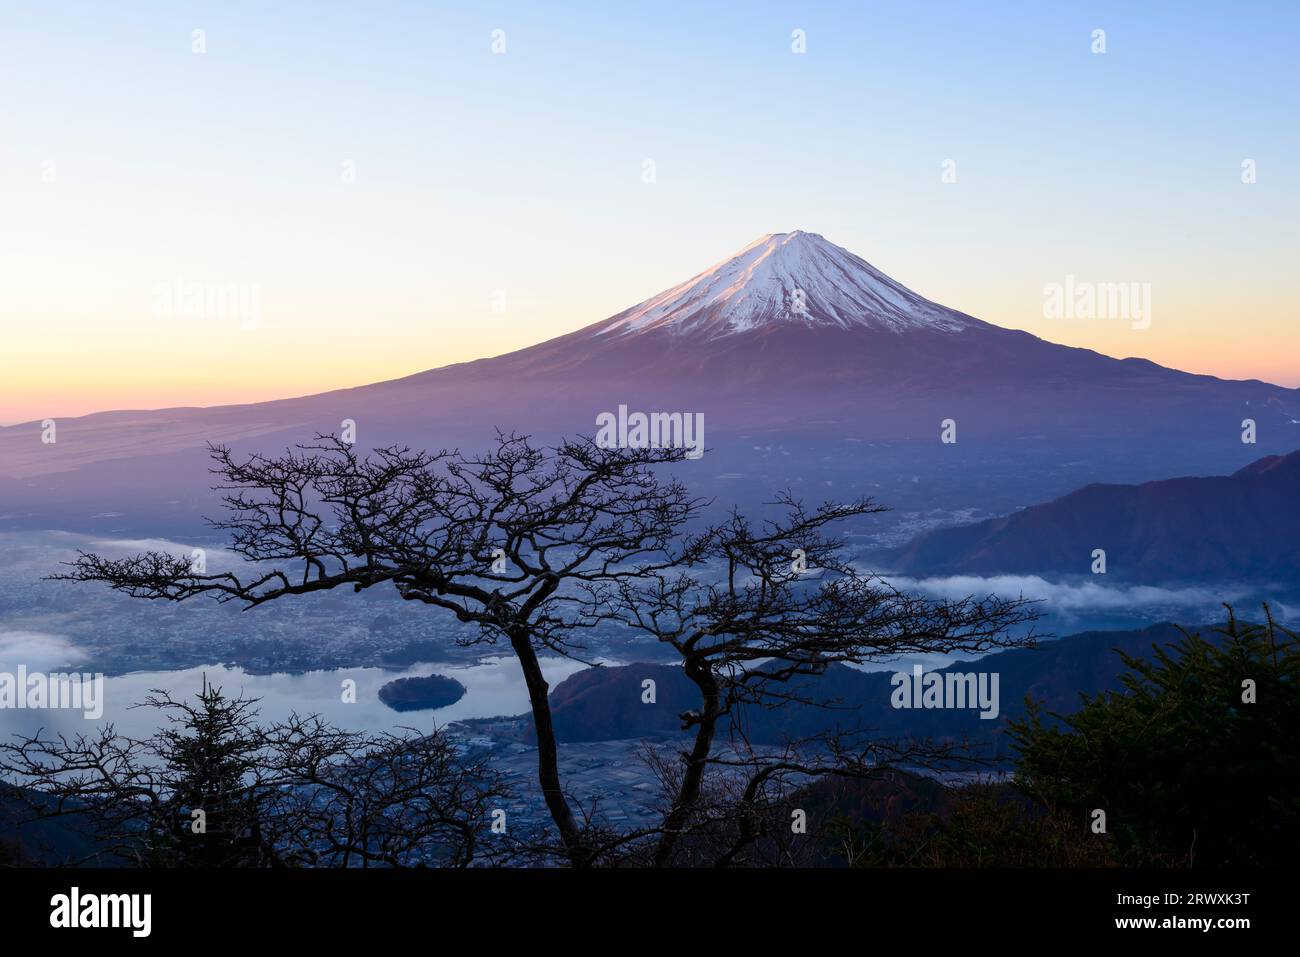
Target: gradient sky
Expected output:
[499,199]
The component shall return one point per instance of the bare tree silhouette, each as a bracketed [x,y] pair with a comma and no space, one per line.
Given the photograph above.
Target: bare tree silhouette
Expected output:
[538,546]
[215,788]
[756,614]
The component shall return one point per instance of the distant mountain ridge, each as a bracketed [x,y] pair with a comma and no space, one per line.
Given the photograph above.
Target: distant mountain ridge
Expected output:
[605,703]
[1222,528]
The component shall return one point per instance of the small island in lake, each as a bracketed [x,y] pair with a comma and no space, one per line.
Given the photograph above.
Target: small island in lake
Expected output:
[421,694]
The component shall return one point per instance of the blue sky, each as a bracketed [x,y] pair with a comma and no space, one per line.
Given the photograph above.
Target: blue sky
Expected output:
[499,199]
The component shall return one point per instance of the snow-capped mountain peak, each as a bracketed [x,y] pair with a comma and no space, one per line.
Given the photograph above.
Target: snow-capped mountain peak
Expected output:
[794,277]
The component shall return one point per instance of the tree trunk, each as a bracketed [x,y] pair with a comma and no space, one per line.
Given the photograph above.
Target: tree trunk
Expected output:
[696,762]
[548,771]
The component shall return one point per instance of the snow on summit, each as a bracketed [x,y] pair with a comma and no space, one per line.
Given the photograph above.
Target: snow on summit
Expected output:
[794,277]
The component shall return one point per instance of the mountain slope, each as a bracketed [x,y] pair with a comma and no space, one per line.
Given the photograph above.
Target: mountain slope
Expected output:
[730,341]
[793,344]
[1223,528]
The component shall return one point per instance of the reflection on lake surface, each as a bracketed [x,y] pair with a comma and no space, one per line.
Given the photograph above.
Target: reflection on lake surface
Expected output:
[494,686]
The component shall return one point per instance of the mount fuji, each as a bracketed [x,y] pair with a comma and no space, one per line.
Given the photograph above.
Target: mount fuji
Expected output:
[809,365]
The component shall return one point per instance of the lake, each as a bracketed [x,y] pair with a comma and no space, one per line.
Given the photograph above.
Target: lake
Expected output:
[494,686]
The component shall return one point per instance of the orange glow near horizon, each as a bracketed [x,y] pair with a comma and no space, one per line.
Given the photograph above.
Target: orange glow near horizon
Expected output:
[94,355]
[262,365]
